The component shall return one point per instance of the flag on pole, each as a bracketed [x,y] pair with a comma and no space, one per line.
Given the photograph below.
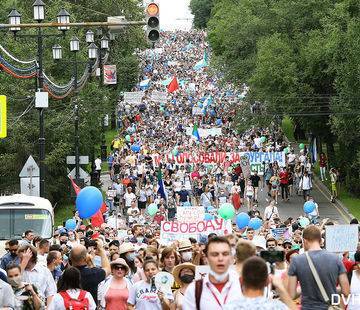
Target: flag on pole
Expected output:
[195,132]
[76,188]
[161,187]
[174,85]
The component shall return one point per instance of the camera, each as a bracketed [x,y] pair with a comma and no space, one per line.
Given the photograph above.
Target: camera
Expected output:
[273,256]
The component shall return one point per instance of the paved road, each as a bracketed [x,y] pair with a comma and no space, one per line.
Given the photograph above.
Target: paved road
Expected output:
[292,208]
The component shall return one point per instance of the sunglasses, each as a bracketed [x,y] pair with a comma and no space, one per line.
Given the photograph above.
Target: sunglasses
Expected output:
[298,242]
[119,267]
[288,247]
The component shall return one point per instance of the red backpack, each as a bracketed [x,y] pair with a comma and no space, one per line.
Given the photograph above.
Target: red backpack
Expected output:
[80,303]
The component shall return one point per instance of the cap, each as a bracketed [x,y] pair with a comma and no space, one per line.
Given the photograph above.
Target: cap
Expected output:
[288,241]
[259,242]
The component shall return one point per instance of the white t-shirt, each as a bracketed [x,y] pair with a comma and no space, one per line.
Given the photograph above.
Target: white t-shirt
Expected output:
[291,158]
[129,197]
[270,211]
[58,302]
[98,164]
[145,297]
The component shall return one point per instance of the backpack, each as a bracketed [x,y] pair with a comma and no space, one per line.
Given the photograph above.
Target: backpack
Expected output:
[79,303]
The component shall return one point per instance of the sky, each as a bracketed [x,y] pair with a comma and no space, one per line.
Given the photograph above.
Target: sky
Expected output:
[174,14]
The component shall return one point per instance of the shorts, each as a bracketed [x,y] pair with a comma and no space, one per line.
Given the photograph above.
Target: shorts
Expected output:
[142,204]
[333,187]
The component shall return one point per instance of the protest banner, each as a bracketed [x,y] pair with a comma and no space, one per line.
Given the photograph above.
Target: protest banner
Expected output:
[341,238]
[133,97]
[211,158]
[204,133]
[190,214]
[159,96]
[110,77]
[282,232]
[175,230]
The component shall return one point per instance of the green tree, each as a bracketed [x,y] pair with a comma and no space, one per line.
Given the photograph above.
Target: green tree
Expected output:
[201,9]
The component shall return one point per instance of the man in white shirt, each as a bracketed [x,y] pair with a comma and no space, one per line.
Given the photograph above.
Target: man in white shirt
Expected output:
[34,273]
[129,197]
[305,185]
[221,285]
[98,163]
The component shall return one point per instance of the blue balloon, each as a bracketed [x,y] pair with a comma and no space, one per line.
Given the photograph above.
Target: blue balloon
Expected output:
[187,204]
[88,201]
[209,208]
[200,105]
[242,220]
[135,148]
[208,217]
[218,121]
[212,113]
[70,224]
[255,223]
[309,207]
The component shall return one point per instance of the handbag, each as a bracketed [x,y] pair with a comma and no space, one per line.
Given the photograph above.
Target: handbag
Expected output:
[319,284]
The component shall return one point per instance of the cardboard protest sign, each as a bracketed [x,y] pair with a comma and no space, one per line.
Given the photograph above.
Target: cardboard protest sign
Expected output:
[190,214]
[134,97]
[159,96]
[341,238]
[175,230]
[282,232]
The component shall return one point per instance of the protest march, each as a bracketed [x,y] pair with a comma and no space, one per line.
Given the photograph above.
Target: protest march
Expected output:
[194,211]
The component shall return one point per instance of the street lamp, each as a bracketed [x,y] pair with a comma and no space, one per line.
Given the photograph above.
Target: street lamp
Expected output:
[74,44]
[39,10]
[104,43]
[57,52]
[89,37]
[92,51]
[14,19]
[63,18]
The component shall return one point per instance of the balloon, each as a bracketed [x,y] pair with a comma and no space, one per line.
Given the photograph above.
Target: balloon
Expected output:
[187,204]
[152,209]
[135,148]
[212,113]
[88,201]
[286,150]
[218,121]
[309,207]
[242,220]
[210,208]
[226,211]
[200,105]
[301,146]
[208,217]
[304,221]
[161,109]
[263,139]
[255,223]
[70,224]
[175,152]
[127,138]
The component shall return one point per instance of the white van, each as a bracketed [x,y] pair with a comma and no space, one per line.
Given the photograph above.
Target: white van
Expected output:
[19,213]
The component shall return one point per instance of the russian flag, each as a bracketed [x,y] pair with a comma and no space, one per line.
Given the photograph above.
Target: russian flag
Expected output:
[195,132]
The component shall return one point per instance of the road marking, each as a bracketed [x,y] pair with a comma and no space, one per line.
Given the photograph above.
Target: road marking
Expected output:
[346,217]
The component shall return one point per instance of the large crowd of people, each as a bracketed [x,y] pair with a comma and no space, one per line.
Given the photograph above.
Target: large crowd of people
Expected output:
[127,263]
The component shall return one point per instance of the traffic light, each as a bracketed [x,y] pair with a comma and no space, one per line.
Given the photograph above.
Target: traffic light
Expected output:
[3,131]
[152,22]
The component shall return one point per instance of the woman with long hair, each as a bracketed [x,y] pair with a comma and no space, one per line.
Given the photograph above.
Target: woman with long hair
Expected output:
[145,295]
[70,292]
[127,252]
[113,292]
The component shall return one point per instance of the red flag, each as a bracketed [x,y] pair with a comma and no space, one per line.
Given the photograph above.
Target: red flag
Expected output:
[174,85]
[97,219]
[103,207]
[76,188]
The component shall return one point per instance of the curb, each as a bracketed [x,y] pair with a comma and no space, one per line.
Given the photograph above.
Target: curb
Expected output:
[337,202]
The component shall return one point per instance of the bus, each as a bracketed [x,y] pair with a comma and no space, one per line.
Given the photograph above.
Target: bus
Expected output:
[19,213]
